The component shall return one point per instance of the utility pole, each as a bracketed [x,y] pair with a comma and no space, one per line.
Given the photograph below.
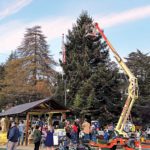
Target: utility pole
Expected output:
[64,62]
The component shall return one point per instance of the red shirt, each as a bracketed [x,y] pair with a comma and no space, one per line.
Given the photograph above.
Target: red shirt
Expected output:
[75,128]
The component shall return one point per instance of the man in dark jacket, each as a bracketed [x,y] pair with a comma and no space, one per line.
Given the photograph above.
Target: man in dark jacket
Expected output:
[13,137]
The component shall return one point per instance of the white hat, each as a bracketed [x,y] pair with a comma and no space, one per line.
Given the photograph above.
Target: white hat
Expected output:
[13,124]
[77,120]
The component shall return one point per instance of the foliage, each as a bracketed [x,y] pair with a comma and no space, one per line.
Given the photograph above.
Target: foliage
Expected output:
[139,63]
[29,73]
[2,75]
[90,76]
[2,71]
[96,85]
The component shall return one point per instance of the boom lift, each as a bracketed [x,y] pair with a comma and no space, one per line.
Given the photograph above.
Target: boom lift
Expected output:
[133,83]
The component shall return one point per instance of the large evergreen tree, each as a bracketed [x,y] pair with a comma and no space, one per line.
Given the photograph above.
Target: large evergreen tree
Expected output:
[2,75]
[139,63]
[2,72]
[89,75]
[30,73]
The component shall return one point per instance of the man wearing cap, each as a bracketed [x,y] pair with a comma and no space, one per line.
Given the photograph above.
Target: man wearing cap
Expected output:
[13,137]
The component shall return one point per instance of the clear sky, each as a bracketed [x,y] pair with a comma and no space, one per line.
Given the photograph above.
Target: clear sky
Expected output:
[126,22]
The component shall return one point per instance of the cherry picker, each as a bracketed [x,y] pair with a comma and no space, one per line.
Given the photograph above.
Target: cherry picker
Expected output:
[133,83]
[95,30]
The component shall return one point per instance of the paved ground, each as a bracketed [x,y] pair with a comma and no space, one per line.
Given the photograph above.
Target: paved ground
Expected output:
[29,147]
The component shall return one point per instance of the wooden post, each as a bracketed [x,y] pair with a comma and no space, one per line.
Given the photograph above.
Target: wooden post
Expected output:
[63,116]
[50,119]
[7,123]
[27,128]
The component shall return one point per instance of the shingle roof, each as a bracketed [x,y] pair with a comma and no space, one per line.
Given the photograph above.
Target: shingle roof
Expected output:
[27,106]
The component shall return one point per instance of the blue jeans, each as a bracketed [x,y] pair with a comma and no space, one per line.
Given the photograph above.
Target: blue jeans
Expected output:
[74,137]
[93,138]
[21,138]
[86,136]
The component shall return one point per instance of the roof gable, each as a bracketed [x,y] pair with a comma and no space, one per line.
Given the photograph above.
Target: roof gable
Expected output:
[50,103]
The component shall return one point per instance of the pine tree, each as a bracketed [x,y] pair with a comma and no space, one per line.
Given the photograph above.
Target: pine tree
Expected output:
[2,71]
[140,66]
[89,75]
[12,56]
[30,73]
[34,51]
[2,75]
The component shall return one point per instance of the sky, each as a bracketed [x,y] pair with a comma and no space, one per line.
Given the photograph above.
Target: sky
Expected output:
[126,23]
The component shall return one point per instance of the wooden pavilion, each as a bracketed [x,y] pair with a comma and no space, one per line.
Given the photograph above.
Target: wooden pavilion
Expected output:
[45,106]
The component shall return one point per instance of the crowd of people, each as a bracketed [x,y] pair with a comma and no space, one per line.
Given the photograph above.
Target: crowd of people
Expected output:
[76,131]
